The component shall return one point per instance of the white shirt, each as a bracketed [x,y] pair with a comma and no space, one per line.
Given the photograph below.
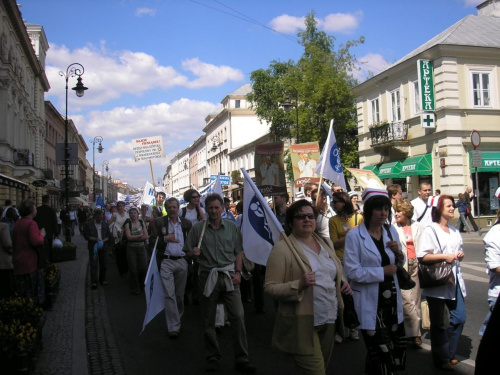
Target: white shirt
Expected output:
[192,215]
[175,248]
[325,293]
[271,176]
[492,259]
[418,209]
[437,241]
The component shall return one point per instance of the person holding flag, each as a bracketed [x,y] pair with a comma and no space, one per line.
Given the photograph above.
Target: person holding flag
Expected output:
[305,276]
[217,247]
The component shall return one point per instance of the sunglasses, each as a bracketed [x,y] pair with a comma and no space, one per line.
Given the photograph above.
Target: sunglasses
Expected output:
[304,216]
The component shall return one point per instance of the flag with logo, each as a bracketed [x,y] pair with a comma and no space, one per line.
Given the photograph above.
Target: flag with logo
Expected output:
[330,165]
[148,196]
[260,228]
[155,298]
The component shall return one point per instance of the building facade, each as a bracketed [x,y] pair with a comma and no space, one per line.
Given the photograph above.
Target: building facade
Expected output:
[396,107]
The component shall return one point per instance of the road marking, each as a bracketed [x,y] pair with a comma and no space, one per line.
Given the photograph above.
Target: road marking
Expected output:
[476,268]
[467,276]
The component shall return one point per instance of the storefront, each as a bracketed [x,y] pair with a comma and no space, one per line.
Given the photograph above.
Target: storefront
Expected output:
[488,176]
[13,189]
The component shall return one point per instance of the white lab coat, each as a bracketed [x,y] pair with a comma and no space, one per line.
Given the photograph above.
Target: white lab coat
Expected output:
[362,266]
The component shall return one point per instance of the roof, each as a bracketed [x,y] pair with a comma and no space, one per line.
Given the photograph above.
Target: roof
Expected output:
[243,90]
[473,30]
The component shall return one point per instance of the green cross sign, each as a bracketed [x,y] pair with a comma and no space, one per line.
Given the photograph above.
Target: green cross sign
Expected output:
[428,120]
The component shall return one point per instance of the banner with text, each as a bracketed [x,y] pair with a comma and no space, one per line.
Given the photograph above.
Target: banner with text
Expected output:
[305,158]
[148,148]
[270,169]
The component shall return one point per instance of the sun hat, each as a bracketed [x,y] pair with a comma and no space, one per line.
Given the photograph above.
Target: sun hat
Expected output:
[372,192]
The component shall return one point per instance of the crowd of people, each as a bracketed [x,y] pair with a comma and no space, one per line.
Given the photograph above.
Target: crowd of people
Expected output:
[335,248]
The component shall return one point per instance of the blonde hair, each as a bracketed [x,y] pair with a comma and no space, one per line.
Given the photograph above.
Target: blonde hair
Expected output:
[404,206]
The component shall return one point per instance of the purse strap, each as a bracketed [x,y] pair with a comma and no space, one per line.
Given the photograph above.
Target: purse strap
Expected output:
[437,239]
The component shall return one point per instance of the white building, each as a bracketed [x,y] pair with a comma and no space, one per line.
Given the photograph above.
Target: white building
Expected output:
[466,87]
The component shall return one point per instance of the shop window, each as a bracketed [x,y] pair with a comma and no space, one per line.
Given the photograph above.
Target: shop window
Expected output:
[488,184]
[375,108]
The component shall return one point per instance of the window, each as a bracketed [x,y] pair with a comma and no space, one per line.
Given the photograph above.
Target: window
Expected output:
[375,111]
[237,103]
[481,89]
[395,106]
[416,97]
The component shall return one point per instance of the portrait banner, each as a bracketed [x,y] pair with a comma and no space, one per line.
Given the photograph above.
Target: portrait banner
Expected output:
[367,179]
[305,157]
[270,169]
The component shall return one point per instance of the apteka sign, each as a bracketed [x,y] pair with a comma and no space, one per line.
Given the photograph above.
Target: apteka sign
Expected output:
[148,148]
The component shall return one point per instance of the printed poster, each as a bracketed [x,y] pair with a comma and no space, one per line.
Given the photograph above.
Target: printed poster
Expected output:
[270,169]
[305,157]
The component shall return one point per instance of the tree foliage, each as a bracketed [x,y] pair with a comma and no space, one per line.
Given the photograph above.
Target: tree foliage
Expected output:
[319,85]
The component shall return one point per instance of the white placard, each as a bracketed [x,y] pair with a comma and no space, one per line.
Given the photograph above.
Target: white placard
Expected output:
[148,148]
[477,161]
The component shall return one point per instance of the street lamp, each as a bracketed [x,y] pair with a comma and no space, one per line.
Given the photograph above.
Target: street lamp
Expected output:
[104,163]
[72,70]
[99,148]
[287,106]
[217,142]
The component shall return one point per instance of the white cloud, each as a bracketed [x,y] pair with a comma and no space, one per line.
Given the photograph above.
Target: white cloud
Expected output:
[370,63]
[109,75]
[210,75]
[335,22]
[139,12]
[470,3]
[287,24]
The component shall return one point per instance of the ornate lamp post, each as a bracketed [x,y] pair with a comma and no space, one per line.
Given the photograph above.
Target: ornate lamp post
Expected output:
[97,139]
[72,70]
[287,106]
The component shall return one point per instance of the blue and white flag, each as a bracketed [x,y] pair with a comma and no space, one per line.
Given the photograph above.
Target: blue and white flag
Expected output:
[155,297]
[260,229]
[330,165]
[99,202]
[148,196]
[217,189]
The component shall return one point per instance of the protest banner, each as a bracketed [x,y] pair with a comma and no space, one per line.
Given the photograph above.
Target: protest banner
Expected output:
[367,178]
[305,158]
[270,169]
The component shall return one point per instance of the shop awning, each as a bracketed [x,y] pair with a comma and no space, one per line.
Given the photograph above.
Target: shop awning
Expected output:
[490,162]
[12,182]
[417,166]
[373,168]
[389,170]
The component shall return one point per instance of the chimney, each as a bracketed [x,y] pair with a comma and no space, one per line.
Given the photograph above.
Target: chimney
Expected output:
[489,8]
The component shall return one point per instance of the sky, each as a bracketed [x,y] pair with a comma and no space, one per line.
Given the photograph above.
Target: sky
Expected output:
[160,67]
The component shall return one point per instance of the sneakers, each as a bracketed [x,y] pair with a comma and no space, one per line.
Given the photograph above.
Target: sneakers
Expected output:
[245,368]
[338,339]
[354,335]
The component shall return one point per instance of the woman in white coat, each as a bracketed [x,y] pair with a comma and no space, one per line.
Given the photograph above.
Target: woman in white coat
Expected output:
[370,259]
[441,242]
[409,231]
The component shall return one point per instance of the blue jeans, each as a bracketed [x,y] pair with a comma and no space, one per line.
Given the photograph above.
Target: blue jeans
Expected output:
[444,340]
[462,222]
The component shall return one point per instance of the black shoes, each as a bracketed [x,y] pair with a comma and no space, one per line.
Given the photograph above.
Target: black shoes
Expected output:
[245,368]
[94,286]
[212,365]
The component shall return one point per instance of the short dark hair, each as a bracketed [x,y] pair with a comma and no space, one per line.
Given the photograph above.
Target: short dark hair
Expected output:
[376,202]
[227,200]
[187,194]
[8,202]
[308,186]
[344,197]
[393,189]
[161,193]
[292,211]
[239,207]
[283,195]
[213,197]
[26,207]
[45,198]
[171,199]
[98,213]
[438,210]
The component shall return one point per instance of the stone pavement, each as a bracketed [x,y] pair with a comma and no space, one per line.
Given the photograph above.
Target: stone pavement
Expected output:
[77,337]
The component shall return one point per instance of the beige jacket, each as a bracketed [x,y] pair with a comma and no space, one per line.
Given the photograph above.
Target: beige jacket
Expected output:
[416,231]
[293,329]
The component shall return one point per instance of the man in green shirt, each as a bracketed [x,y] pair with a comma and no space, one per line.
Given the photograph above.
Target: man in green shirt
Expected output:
[220,261]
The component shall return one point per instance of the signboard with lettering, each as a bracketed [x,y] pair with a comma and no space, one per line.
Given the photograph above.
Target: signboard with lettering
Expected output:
[148,148]
[224,180]
[477,160]
[72,154]
[426,85]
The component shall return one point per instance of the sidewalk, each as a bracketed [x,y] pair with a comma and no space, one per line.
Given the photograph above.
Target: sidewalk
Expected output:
[78,319]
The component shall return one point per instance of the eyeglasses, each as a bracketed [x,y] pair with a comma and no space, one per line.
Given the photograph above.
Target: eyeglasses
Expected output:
[195,197]
[304,216]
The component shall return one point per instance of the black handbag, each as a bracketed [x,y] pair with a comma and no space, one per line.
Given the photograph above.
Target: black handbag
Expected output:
[432,274]
[404,279]
[351,320]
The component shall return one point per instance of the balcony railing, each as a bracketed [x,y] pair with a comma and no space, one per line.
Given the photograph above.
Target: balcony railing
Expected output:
[390,132]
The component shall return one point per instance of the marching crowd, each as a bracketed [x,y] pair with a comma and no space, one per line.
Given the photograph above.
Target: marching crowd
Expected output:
[343,270]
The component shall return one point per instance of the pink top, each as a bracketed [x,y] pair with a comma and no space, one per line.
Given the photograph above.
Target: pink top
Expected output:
[25,237]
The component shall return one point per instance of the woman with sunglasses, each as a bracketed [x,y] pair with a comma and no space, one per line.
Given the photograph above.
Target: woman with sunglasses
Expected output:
[193,211]
[370,257]
[305,276]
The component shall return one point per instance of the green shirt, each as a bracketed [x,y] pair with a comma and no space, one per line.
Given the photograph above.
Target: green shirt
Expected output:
[219,247]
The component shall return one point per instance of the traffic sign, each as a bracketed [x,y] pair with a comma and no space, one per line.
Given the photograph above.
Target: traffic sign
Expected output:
[475,138]
[476,159]
[224,180]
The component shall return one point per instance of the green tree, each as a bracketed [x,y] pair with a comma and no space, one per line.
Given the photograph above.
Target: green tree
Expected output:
[320,84]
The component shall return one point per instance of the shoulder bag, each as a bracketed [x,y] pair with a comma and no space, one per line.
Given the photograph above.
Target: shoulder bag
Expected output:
[432,274]
[351,320]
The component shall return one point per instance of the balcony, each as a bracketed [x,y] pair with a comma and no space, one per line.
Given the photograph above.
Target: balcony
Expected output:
[389,134]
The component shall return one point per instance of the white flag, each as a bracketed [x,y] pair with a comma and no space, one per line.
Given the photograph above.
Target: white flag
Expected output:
[155,298]
[217,188]
[260,229]
[329,165]
[148,195]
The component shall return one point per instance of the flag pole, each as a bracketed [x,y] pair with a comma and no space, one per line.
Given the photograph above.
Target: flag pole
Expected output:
[323,162]
[152,176]
[266,208]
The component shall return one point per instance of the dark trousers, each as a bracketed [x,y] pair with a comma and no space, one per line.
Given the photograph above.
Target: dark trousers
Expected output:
[98,265]
[471,219]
